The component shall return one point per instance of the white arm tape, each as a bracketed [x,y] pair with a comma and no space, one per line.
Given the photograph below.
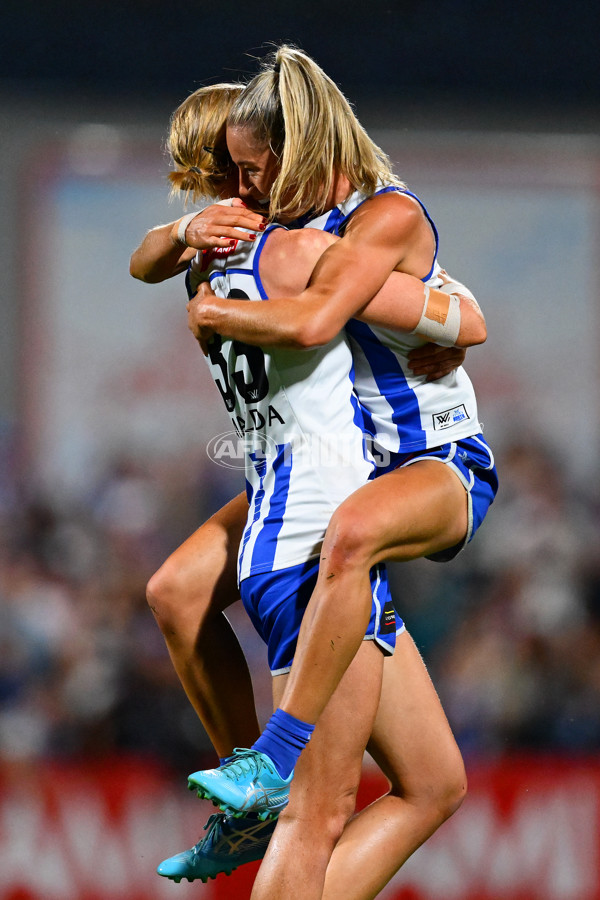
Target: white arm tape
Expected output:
[182,227]
[445,334]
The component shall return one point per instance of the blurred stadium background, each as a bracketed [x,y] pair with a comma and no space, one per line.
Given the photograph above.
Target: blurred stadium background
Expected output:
[491,114]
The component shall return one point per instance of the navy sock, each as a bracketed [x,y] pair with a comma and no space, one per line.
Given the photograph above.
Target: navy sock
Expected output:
[283,740]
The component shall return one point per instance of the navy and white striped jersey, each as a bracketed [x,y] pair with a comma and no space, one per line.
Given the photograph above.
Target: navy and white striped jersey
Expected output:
[298,419]
[403,412]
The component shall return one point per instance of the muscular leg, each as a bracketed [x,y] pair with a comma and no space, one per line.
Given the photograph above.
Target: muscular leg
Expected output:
[414,746]
[188,596]
[324,788]
[408,513]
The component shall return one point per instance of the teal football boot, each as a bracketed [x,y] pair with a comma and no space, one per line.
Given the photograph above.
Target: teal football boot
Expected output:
[247,782]
[228,843]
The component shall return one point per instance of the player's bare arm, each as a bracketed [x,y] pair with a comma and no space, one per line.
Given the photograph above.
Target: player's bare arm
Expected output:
[289,258]
[158,257]
[317,314]
[167,249]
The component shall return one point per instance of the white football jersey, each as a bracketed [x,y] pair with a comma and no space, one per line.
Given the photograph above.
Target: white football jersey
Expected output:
[403,412]
[298,418]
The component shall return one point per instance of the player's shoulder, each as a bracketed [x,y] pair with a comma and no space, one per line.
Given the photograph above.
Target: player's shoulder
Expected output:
[299,239]
[393,212]
[297,243]
[289,257]
[397,203]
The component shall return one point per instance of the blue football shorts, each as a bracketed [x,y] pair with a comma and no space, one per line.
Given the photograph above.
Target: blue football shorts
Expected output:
[473,462]
[276,601]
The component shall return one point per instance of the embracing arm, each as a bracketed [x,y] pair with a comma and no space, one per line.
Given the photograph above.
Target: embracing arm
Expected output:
[347,273]
[159,256]
[399,306]
[167,249]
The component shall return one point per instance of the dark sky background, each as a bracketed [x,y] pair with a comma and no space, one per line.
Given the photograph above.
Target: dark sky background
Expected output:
[531,53]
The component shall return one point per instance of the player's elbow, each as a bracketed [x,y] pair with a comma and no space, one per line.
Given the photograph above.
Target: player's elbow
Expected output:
[307,338]
[473,331]
[136,270]
[477,335]
[480,336]
[315,330]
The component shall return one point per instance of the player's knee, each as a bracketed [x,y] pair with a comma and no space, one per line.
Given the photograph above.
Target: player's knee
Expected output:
[160,594]
[447,800]
[439,796]
[451,784]
[168,595]
[349,541]
[452,791]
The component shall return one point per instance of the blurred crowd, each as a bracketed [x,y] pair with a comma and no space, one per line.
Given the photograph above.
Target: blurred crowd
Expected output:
[510,630]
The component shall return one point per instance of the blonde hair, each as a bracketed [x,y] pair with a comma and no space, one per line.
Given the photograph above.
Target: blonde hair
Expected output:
[197,141]
[295,108]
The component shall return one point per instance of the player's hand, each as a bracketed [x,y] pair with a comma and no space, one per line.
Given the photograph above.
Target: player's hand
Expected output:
[198,309]
[220,225]
[435,361]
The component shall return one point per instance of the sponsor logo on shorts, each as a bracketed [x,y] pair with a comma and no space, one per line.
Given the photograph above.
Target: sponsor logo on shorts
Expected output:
[449,417]
[388,619]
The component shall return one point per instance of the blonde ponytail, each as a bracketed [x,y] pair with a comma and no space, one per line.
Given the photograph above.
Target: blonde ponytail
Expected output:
[295,108]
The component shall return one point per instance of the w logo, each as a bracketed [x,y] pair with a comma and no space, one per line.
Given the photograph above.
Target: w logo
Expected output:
[449,417]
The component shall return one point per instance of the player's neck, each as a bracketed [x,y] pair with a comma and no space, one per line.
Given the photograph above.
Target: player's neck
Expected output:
[340,190]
